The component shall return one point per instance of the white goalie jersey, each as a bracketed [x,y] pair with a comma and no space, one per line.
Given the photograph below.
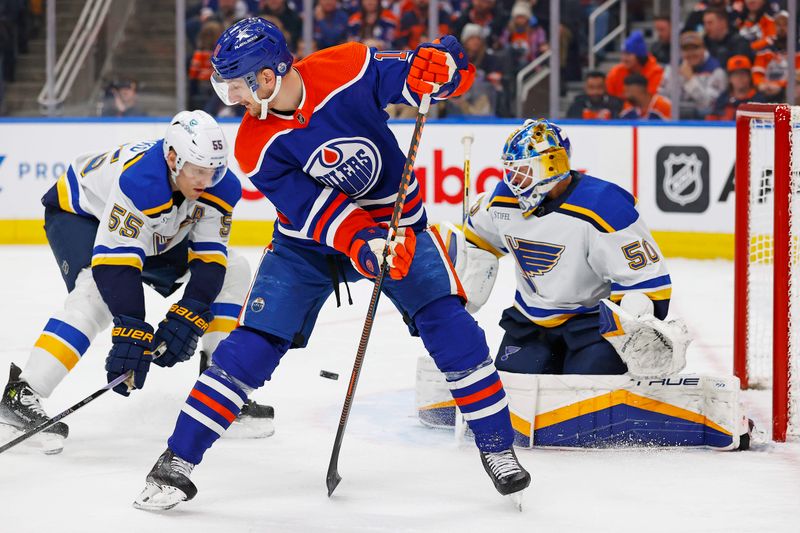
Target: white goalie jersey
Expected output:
[589,243]
[128,190]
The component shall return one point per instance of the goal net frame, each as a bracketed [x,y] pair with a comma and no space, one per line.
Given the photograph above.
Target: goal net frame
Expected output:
[777,117]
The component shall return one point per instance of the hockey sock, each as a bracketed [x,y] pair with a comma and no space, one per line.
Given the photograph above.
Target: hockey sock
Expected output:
[458,346]
[479,395]
[213,404]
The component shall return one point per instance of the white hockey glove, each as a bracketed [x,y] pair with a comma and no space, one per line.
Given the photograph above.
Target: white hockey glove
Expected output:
[651,348]
[476,268]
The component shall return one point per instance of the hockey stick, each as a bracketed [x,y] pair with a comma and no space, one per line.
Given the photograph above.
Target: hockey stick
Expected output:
[158,352]
[333,478]
[46,424]
[466,140]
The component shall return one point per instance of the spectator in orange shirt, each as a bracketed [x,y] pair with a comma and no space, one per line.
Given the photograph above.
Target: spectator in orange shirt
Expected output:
[740,90]
[641,104]
[757,24]
[413,27]
[771,69]
[200,70]
[635,60]
[595,103]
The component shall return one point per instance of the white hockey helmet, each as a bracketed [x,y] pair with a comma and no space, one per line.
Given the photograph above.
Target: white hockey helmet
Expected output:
[196,138]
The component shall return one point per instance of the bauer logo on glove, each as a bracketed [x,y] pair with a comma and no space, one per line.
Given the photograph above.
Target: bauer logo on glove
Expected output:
[651,348]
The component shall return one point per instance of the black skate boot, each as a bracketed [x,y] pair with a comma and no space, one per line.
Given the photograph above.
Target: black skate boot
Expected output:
[255,421]
[167,484]
[20,408]
[507,474]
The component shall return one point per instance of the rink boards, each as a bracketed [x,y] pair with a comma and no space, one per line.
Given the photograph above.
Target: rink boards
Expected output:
[681,174]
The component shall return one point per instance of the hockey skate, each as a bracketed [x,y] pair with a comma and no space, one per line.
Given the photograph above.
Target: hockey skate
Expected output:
[255,421]
[21,411]
[167,484]
[508,476]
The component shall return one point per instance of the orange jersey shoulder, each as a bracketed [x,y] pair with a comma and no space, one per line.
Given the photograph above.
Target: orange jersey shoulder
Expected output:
[329,69]
[323,73]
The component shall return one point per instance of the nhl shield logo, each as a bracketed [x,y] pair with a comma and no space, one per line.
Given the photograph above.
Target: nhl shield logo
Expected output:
[682,179]
[351,165]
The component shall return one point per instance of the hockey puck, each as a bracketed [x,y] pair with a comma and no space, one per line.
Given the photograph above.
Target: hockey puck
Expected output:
[330,375]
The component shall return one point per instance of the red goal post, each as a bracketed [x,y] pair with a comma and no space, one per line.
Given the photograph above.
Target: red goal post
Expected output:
[766,269]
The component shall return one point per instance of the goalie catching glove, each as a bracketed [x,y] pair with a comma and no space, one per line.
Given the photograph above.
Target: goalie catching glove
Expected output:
[366,251]
[441,68]
[651,348]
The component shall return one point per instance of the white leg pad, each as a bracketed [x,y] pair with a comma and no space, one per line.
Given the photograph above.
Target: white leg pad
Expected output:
[576,411]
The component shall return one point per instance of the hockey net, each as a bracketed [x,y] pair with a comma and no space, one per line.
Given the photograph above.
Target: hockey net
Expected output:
[767,267]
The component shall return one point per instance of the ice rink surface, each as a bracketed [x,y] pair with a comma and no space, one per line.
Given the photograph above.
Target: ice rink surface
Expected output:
[397,475]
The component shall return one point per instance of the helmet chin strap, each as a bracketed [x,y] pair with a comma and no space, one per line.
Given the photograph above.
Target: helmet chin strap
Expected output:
[265,103]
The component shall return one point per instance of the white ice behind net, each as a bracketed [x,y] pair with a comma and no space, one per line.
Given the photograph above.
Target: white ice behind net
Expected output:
[760,271]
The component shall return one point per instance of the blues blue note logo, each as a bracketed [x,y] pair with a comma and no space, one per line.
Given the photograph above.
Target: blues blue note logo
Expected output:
[350,164]
[534,258]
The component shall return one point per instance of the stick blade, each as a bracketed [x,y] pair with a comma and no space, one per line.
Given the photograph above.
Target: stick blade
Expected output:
[332,480]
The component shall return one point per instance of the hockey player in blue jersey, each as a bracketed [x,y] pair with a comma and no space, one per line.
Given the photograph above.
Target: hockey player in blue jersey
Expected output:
[580,248]
[154,212]
[315,141]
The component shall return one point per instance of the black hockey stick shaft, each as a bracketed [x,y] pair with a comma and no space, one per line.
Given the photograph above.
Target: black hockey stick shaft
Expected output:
[333,478]
[44,425]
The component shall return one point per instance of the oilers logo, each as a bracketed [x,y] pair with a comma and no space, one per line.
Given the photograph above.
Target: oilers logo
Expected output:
[350,164]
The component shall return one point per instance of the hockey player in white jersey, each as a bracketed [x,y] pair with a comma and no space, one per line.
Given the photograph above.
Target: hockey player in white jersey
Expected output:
[588,356]
[155,212]
[580,245]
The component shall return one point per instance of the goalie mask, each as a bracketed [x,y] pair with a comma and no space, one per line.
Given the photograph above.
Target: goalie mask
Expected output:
[244,50]
[198,143]
[535,159]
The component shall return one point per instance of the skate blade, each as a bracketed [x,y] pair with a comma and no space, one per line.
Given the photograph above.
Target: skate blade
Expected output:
[155,498]
[47,443]
[516,499]
[251,428]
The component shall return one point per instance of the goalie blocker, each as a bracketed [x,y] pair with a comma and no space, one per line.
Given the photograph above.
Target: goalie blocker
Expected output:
[580,411]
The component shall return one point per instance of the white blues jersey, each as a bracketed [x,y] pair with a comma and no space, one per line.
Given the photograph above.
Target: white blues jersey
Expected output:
[589,243]
[128,190]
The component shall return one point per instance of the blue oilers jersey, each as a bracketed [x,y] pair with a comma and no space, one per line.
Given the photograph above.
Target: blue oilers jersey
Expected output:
[333,167]
[587,244]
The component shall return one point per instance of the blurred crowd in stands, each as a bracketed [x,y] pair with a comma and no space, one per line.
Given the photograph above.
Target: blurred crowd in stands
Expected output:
[731,51]
[20,21]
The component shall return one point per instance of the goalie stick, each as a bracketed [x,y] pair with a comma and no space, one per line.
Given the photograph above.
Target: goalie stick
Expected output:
[333,478]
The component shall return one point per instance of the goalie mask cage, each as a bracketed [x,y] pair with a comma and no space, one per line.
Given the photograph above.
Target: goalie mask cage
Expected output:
[766,266]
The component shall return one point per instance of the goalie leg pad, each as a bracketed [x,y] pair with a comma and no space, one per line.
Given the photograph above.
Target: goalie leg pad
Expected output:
[573,411]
